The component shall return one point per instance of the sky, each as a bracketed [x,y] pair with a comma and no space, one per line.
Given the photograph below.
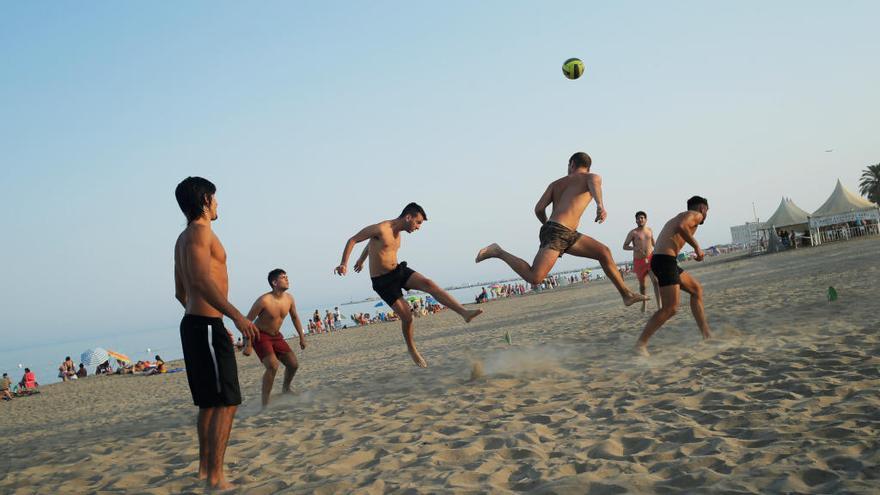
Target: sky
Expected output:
[315,119]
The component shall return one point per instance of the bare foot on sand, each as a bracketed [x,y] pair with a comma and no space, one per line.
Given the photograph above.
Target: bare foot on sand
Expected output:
[417,358]
[487,252]
[641,350]
[203,472]
[632,298]
[220,484]
[470,315]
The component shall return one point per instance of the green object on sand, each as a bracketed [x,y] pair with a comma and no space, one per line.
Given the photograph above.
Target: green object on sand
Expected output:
[508,338]
[832,294]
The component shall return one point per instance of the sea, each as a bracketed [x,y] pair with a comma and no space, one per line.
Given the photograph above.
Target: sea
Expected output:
[45,358]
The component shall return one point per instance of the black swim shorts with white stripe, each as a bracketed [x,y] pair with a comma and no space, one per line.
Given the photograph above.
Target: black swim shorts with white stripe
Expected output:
[210,362]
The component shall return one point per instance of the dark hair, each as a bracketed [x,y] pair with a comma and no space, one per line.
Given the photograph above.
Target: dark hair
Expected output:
[27,370]
[67,358]
[158,358]
[413,209]
[641,213]
[580,160]
[193,194]
[274,274]
[696,201]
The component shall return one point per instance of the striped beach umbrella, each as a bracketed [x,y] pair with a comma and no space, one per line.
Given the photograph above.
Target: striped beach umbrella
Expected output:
[94,357]
[119,356]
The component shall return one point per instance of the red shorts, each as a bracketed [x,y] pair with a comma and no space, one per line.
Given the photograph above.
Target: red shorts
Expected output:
[642,267]
[270,344]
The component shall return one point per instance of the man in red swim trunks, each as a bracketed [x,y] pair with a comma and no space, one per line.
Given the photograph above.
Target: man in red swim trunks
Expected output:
[270,309]
[640,241]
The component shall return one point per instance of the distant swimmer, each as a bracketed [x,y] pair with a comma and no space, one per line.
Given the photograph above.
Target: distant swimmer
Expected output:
[390,277]
[201,285]
[640,241]
[570,196]
[670,277]
[270,310]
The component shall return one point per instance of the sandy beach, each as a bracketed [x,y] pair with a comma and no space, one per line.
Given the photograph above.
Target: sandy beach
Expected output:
[785,398]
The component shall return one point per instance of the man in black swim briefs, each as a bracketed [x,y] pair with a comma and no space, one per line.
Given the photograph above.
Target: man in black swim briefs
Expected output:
[201,285]
[390,277]
[670,277]
[570,196]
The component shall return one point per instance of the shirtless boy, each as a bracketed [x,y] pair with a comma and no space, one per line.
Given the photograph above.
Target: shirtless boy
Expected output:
[640,241]
[569,196]
[390,277]
[201,285]
[270,310]
[670,277]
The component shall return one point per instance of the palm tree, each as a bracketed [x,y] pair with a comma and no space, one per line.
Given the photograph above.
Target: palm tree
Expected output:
[869,186]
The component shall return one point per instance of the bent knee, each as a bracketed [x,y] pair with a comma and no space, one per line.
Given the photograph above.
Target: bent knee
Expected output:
[272,366]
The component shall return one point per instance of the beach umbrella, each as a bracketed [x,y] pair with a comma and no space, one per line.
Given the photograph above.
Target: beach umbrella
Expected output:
[119,356]
[94,357]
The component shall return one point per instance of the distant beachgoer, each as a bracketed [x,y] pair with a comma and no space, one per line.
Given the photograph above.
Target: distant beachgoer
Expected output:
[82,372]
[570,196]
[390,277]
[640,241]
[28,383]
[104,368]
[5,386]
[67,370]
[268,314]
[202,287]
[677,231]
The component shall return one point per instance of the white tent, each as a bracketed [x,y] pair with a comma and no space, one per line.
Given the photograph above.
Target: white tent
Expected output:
[788,214]
[831,221]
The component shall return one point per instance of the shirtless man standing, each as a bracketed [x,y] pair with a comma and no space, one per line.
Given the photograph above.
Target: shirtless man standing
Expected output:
[390,277]
[640,241]
[670,277]
[201,285]
[569,196]
[270,309]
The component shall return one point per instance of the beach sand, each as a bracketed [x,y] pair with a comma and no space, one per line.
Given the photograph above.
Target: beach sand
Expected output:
[786,398]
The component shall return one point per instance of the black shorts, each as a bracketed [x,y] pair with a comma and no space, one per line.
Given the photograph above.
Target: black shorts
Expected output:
[666,269]
[390,286]
[210,362]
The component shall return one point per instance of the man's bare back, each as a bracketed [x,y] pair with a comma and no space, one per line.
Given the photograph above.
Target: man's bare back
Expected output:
[570,196]
[199,236]
[274,310]
[672,237]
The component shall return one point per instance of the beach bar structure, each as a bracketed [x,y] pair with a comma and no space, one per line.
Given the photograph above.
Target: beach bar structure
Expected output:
[843,216]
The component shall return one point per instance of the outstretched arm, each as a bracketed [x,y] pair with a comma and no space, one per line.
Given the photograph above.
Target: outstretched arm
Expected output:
[296,323]
[543,203]
[256,309]
[594,184]
[359,264]
[363,235]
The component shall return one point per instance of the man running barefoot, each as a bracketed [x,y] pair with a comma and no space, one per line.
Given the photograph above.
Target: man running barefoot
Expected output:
[569,196]
[201,285]
[670,277]
[640,241]
[390,277]
[270,309]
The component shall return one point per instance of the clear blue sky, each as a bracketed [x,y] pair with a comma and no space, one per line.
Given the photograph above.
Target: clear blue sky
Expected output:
[316,118]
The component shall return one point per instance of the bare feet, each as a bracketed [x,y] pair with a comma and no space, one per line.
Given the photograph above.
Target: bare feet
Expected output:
[203,472]
[632,298]
[487,252]
[219,484]
[641,350]
[417,358]
[470,315]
